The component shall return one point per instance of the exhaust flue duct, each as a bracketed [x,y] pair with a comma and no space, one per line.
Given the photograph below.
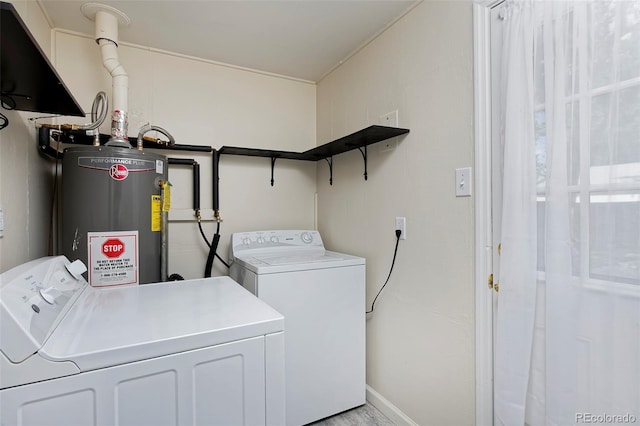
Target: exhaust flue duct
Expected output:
[107,20]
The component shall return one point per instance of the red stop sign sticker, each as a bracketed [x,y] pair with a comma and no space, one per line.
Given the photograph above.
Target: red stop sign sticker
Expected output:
[113,248]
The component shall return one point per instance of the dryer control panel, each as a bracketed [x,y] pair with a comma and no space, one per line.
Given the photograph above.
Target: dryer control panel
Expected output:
[34,297]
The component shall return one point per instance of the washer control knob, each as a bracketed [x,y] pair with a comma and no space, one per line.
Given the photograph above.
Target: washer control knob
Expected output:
[260,240]
[274,239]
[306,238]
[246,241]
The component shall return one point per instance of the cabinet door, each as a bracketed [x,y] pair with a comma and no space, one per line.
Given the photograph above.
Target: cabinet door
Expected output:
[220,385]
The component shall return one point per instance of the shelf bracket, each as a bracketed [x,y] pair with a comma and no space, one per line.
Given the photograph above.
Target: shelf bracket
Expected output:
[330,163]
[364,157]
[273,163]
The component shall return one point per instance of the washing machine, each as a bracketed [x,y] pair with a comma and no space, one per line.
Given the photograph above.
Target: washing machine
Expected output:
[197,352]
[322,297]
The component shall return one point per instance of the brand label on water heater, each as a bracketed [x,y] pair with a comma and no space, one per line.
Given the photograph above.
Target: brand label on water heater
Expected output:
[113,258]
[118,172]
[118,167]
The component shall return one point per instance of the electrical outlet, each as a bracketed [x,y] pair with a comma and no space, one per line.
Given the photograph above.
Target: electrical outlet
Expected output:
[401,224]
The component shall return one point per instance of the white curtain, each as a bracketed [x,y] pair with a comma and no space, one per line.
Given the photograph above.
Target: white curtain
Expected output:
[568,322]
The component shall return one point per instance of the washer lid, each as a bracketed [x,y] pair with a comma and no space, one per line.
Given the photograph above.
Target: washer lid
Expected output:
[112,326]
[271,263]
[298,257]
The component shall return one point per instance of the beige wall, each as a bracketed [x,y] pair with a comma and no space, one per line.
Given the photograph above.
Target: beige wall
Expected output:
[202,103]
[420,339]
[25,177]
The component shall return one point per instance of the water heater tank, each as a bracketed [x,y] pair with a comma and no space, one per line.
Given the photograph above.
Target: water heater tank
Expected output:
[111,213]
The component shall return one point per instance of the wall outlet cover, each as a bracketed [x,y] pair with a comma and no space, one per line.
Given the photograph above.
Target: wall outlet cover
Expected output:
[401,224]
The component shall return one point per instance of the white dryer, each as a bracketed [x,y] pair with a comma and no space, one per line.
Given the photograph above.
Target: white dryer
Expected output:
[197,352]
[322,297]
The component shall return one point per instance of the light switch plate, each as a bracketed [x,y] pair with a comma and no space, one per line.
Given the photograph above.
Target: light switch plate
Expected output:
[463,182]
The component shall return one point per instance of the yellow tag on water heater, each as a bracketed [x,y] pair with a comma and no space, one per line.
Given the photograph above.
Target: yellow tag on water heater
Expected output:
[166,192]
[156,213]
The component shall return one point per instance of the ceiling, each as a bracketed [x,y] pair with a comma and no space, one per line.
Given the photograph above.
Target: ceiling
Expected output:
[303,39]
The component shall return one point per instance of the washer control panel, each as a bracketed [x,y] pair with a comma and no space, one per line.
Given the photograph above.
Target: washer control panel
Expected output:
[247,243]
[33,299]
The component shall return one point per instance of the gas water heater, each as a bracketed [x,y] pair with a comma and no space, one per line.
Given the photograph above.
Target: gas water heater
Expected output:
[113,199]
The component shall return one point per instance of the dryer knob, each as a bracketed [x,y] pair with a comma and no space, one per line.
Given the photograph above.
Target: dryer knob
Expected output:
[246,241]
[260,240]
[274,239]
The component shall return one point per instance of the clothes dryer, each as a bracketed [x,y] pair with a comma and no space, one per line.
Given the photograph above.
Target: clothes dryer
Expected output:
[322,297]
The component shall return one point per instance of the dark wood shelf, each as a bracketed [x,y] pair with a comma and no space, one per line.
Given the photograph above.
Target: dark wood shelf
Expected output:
[28,81]
[358,140]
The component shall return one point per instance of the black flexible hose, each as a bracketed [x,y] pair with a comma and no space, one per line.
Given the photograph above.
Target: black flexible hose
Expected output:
[212,252]
[204,236]
[223,262]
[206,240]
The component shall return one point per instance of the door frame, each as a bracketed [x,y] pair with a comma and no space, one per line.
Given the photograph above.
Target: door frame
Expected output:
[483,216]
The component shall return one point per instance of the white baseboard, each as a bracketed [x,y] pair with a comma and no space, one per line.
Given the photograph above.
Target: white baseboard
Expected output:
[392,412]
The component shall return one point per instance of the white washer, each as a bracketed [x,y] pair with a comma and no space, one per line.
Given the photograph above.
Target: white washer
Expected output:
[322,297]
[192,352]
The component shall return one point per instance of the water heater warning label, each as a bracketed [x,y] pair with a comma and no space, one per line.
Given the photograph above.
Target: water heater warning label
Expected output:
[156,213]
[113,258]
